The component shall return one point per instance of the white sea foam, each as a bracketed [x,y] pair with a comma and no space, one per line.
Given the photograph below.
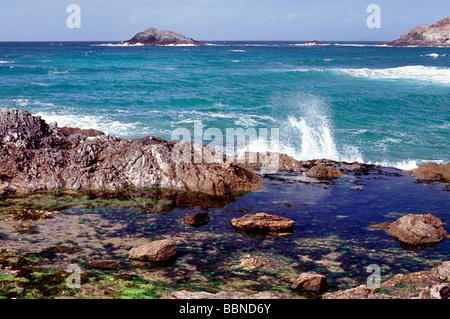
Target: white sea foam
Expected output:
[5,62]
[434,55]
[118,45]
[58,72]
[413,72]
[98,122]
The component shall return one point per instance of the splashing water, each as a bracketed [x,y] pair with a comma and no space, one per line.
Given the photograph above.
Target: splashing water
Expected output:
[313,128]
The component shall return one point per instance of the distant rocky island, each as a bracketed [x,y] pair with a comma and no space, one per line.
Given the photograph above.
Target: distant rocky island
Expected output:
[153,36]
[436,34]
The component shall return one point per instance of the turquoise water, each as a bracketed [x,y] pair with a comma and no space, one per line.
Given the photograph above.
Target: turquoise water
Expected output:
[344,101]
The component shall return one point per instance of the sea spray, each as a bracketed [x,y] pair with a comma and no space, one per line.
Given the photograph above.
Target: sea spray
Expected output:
[307,133]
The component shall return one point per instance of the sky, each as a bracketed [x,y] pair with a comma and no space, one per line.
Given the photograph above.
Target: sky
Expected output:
[259,20]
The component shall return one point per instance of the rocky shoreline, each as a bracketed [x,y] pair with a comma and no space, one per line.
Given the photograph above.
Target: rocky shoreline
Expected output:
[40,157]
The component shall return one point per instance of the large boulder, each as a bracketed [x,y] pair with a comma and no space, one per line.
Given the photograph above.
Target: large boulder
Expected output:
[417,229]
[159,250]
[37,156]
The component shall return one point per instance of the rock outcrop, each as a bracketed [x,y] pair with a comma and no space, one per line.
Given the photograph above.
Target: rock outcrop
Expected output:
[158,250]
[436,34]
[153,36]
[36,156]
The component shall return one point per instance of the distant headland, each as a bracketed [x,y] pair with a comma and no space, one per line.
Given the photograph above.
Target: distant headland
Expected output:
[153,36]
[436,34]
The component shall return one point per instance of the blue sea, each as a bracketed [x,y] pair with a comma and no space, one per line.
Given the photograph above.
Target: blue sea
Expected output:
[343,101]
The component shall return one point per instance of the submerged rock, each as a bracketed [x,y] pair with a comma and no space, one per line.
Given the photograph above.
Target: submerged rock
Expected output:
[106,264]
[310,282]
[197,219]
[158,250]
[153,36]
[417,229]
[436,34]
[36,156]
